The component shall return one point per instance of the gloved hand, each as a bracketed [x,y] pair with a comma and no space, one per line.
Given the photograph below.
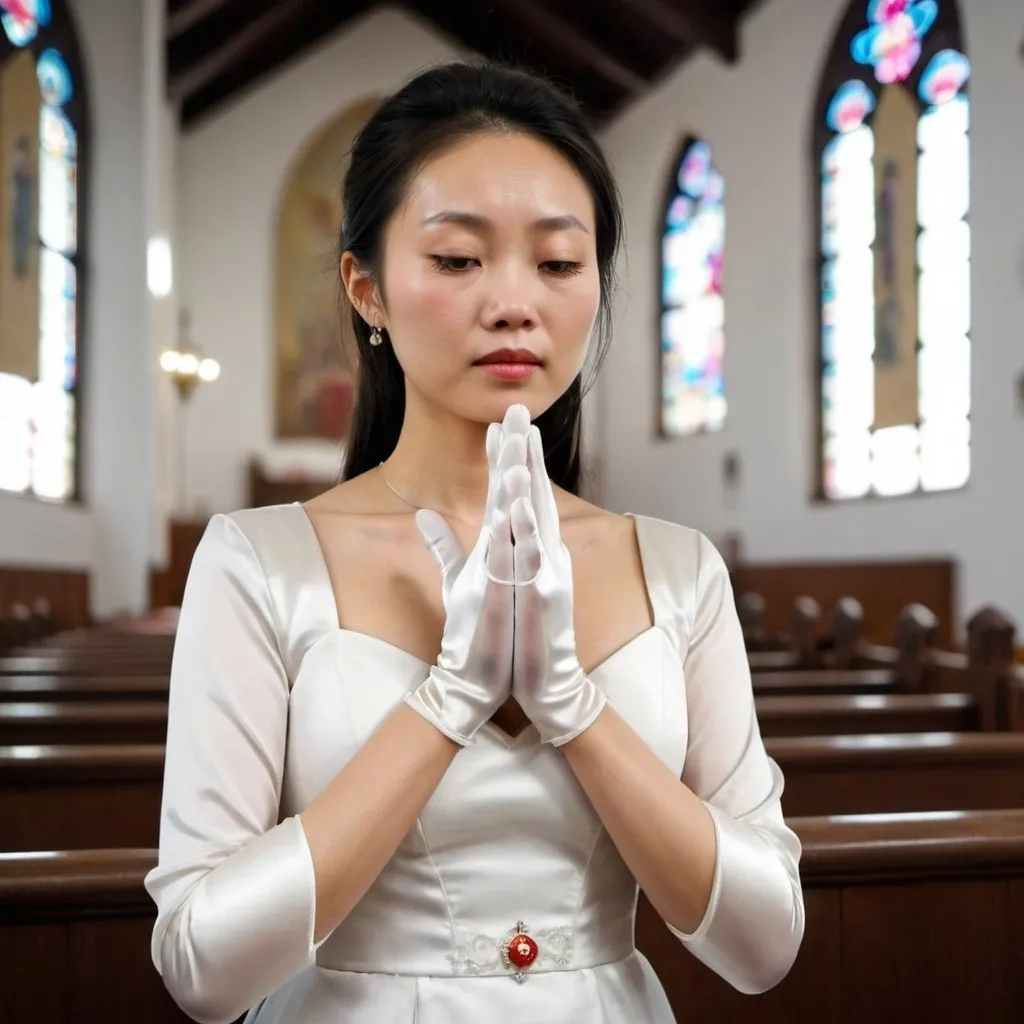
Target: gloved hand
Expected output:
[473,674]
[547,679]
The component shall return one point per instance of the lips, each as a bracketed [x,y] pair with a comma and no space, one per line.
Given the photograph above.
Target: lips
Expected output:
[509,355]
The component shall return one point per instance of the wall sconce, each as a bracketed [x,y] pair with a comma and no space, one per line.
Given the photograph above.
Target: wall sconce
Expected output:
[186,365]
[187,368]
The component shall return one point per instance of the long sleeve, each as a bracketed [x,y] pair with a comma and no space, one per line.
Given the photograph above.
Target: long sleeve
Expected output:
[234,889]
[751,932]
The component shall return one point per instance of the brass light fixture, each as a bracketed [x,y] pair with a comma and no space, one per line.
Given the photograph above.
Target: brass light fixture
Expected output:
[186,365]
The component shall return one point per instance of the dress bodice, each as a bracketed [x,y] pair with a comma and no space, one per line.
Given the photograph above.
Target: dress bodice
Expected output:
[508,834]
[270,700]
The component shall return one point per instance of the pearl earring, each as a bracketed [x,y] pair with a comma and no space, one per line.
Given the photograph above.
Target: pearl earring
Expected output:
[375,337]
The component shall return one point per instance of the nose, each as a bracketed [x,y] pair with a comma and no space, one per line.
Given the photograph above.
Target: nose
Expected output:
[512,317]
[510,305]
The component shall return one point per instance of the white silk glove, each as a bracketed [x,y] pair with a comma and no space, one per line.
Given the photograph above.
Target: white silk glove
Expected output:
[472,677]
[547,679]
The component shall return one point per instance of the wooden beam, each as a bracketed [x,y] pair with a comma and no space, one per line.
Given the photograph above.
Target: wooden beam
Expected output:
[565,38]
[693,21]
[181,20]
[250,38]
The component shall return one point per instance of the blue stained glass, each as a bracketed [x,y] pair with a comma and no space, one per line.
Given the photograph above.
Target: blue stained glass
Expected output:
[21,19]
[680,212]
[892,44]
[54,78]
[928,448]
[944,77]
[694,170]
[45,465]
[828,341]
[692,336]
[851,104]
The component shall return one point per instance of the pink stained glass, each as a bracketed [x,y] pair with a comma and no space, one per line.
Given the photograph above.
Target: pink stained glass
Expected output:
[692,321]
[892,43]
[21,19]
[944,77]
[851,104]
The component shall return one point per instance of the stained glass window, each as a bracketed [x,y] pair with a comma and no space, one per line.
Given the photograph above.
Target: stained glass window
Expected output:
[38,393]
[692,309]
[895,301]
[21,19]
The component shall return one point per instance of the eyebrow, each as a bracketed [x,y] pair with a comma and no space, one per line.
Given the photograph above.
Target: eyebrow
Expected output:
[475,222]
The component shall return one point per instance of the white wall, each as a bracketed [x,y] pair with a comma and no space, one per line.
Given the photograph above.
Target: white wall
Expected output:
[114,534]
[757,117]
[232,167]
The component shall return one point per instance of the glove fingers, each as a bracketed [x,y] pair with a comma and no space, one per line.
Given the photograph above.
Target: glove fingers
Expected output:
[512,453]
[527,551]
[493,443]
[441,539]
[499,552]
[543,497]
[493,447]
[509,452]
[517,420]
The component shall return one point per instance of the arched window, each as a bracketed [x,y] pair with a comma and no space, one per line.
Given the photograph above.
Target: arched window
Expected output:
[891,152]
[42,123]
[692,310]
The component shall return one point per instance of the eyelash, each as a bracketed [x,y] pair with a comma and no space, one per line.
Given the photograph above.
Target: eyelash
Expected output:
[443,264]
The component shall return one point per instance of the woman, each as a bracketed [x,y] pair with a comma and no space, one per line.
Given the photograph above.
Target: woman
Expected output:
[429,732]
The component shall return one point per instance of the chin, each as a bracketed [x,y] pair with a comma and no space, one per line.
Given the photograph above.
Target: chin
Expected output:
[491,408]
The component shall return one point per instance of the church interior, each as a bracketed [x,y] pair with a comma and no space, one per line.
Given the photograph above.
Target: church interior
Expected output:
[171,348]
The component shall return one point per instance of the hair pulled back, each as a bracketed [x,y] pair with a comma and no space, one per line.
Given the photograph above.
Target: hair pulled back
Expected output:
[435,110]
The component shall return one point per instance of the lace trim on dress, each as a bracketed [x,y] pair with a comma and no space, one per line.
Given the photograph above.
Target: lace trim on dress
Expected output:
[516,952]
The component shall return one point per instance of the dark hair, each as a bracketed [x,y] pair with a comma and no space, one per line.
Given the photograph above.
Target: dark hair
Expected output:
[438,108]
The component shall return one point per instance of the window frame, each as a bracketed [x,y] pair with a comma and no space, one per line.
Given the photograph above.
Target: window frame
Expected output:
[946,32]
[670,191]
[61,34]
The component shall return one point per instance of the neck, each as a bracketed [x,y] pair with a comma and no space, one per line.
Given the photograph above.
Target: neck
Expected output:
[440,463]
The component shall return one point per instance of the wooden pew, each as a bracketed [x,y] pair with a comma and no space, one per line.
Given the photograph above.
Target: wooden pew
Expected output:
[79,797]
[67,689]
[74,940]
[914,666]
[26,624]
[883,588]
[91,722]
[112,720]
[810,644]
[62,593]
[858,714]
[102,651]
[83,664]
[909,918]
[786,682]
[900,772]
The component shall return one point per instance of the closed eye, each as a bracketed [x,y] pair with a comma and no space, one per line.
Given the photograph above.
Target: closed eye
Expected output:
[460,264]
[453,264]
[563,268]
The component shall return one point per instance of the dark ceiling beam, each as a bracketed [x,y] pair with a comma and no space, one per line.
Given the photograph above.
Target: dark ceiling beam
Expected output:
[247,40]
[565,39]
[181,20]
[694,21]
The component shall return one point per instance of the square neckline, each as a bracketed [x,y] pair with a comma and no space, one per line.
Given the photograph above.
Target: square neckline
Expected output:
[338,629]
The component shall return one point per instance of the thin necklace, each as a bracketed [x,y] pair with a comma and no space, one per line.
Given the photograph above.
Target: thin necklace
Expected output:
[398,494]
[391,486]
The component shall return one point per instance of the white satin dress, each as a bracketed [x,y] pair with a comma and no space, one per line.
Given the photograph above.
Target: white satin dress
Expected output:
[269,699]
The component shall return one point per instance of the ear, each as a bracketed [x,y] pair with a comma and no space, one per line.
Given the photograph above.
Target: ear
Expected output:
[360,290]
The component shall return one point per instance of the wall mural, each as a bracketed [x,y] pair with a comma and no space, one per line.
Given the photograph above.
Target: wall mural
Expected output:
[314,383]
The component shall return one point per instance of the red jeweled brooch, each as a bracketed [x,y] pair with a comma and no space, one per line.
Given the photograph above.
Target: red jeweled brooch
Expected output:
[518,951]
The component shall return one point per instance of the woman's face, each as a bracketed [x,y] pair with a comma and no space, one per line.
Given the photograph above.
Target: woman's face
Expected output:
[493,248]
